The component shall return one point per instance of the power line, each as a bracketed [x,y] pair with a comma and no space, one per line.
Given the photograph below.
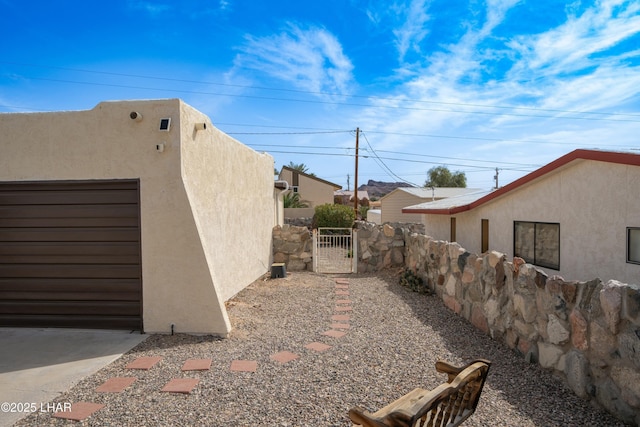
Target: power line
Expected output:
[478,138]
[346,104]
[329,94]
[382,164]
[349,104]
[457,158]
[282,127]
[287,133]
[485,168]
[417,135]
[315,147]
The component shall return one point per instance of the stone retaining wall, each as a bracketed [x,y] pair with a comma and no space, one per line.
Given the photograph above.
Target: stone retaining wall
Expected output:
[586,332]
[382,246]
[292,245]
[299,222]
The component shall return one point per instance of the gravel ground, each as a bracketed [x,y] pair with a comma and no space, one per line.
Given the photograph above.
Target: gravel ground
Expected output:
[395,338]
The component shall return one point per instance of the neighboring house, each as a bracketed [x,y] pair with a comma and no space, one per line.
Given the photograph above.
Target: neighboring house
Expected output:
[313,190]
[345,197]
[133,215]
[578,217]
[374,215]
[392,204]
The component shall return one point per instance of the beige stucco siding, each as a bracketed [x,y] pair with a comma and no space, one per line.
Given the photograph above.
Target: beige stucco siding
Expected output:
[313,192]
[594,202]
[206,201]
[316,192]
[232,197]
[393,203]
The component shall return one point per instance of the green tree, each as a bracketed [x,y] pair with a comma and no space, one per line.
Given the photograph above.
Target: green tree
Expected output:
[441,176]
[292,200]
[300,167]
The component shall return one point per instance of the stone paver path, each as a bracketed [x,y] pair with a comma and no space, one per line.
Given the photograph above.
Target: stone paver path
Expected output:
[338,324]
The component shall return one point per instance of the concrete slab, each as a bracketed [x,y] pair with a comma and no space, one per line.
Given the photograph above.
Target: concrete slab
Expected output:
[37,365]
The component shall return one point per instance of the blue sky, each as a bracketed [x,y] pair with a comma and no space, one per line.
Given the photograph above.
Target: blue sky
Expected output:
[472,85]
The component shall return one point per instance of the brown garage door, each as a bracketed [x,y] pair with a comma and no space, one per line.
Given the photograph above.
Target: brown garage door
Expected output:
[70,254]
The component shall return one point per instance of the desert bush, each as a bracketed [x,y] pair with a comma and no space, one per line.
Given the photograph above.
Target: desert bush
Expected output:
[338,216]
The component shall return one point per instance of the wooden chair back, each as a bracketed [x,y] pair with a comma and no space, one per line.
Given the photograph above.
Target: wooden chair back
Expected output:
[448,405]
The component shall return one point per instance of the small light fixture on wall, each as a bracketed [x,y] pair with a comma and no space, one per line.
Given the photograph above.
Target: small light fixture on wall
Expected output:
[160,147]
[201,126]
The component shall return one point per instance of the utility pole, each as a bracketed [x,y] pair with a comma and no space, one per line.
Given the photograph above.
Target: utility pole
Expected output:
[496,177]
[348,187]
[355,188]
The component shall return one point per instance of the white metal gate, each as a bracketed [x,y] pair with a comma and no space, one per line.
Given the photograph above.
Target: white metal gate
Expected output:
[334,250]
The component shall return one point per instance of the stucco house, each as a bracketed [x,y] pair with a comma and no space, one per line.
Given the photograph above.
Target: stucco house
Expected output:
[577,217]
[132,215]
[312,190]
[391,204]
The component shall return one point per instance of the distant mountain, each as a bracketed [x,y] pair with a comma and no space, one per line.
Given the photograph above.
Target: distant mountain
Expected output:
[377,189]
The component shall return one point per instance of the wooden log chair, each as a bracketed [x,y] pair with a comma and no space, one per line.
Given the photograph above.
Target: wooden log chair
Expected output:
[447,405]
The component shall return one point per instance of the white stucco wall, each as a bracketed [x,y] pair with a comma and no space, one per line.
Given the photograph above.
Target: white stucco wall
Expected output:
[205,191]
[594,202]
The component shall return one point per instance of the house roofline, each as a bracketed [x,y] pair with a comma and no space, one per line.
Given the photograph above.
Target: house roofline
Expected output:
[338,187]
[579,154]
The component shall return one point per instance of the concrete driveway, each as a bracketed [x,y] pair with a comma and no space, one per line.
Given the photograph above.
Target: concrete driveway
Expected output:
[36,365]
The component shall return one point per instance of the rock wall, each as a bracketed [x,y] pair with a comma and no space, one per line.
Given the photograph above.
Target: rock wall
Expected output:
[292,245]
[379,247]
[299,222]
[587,332]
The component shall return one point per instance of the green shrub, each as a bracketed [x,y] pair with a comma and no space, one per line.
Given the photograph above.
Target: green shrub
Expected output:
[414,282]
[362,210]
[337,216]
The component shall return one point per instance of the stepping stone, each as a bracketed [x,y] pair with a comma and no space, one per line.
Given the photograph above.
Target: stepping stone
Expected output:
[244,365]
[340,326]
[343,308]
[341,317]
[342,286]
[284,357]
[334,334]
[343,301]
[79,411]
[318,346]
[144,363]
[197,365]
[116,385]
[342,292]
[180,385]
[342,280]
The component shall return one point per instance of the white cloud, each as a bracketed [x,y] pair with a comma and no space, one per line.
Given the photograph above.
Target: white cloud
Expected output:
[310,58]
[150,7]
[496,12]
[555,69]
[577,65]
[413,29]
[568,48]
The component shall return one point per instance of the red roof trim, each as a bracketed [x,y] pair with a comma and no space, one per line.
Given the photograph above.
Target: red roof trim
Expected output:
[580,154]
